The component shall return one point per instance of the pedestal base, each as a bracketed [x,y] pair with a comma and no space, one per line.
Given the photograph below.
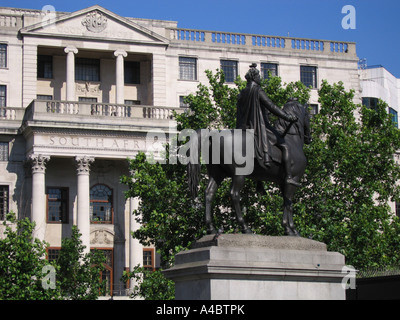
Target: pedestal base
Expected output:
[252,267]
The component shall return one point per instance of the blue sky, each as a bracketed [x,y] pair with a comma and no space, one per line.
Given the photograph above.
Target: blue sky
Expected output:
[376,34]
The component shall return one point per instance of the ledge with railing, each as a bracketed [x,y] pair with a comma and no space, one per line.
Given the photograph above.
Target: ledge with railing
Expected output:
[107,109]
[82,113]
[179,35]
[10,119]
[95,110]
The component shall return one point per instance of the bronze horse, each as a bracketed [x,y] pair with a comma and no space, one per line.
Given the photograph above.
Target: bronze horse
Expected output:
[295,134]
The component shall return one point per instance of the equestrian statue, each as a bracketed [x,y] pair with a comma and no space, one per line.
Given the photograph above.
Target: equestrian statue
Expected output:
[277,154]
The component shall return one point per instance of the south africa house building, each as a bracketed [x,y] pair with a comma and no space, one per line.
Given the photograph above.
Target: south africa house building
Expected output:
[80,91]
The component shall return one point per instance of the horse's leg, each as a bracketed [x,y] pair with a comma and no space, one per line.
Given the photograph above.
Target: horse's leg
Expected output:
[288,191]
[237,185]
[209,197]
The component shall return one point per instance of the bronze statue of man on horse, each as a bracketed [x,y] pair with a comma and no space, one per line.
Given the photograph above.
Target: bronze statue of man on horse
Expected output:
[278,151]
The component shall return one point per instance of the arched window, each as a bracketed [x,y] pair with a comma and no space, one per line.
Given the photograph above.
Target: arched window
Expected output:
[101,204]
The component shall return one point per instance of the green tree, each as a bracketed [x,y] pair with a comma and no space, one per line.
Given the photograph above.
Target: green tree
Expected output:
[150,285]
[24,273]
[22,261]
[350,178]
[79,273]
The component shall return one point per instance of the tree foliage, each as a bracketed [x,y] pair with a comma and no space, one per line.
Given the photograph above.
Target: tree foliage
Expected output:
[350,178]
[79,272]
[150,285]
[21,262]
[23,266]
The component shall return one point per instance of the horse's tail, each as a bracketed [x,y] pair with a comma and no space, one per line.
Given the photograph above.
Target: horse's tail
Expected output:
[193,166]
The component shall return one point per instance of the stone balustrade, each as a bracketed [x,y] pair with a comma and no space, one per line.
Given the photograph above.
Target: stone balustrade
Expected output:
[9,21]
[180,35]
[10,113]
[109,110]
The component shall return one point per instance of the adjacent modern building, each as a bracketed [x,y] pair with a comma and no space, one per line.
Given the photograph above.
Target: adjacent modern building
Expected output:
[378,83]
[80,91]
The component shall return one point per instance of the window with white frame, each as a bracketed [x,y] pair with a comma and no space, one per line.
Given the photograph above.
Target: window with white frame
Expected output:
[308,75]
[230,69]
[3,201]
[187,68]
[268,69]
[3,95]
[3,55]
[393,113]
[182,103]
[4,151]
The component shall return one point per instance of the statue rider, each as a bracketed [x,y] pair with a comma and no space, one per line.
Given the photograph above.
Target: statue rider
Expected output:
[252,113]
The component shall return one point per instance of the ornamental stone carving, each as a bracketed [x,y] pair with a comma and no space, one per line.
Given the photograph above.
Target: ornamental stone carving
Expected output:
[95,21]
[83,164]
[101,237]
[38,162]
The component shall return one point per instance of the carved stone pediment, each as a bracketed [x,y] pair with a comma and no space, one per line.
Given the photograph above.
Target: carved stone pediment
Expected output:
[94,22]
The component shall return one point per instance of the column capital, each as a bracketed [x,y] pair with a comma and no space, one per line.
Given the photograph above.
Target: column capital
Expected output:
[38,162]
[71,49]
[83,164]
[120,53]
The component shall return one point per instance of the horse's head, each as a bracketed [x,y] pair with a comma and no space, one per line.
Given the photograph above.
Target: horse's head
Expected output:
[302,126]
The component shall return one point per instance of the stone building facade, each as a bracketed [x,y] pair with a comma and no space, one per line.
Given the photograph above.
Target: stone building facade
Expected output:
[80,91]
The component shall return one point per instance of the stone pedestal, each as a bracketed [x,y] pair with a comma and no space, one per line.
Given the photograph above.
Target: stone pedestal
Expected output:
[252,267]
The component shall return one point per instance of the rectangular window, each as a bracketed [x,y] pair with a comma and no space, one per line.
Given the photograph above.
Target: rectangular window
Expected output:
[132,102]
[187,68]
[4,152]
[313,108]
[394,117]
[397,208]
[269,69]
[45,67]
[57,205]
[182,103]
[132,72]
[230,69]
[370,102]
[52,254]
[148,259]
[106,275]
[44,97]
[87,69]
[87,99]
[3,55]
[308,75]
[3,202]
[3,95]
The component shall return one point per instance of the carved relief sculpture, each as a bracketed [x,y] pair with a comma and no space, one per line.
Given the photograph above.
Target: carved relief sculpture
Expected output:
[95,21]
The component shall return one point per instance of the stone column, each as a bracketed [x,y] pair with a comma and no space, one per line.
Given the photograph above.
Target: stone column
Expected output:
[39,194]
[119,75]
[70,81]
[83,201]
[135,247]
